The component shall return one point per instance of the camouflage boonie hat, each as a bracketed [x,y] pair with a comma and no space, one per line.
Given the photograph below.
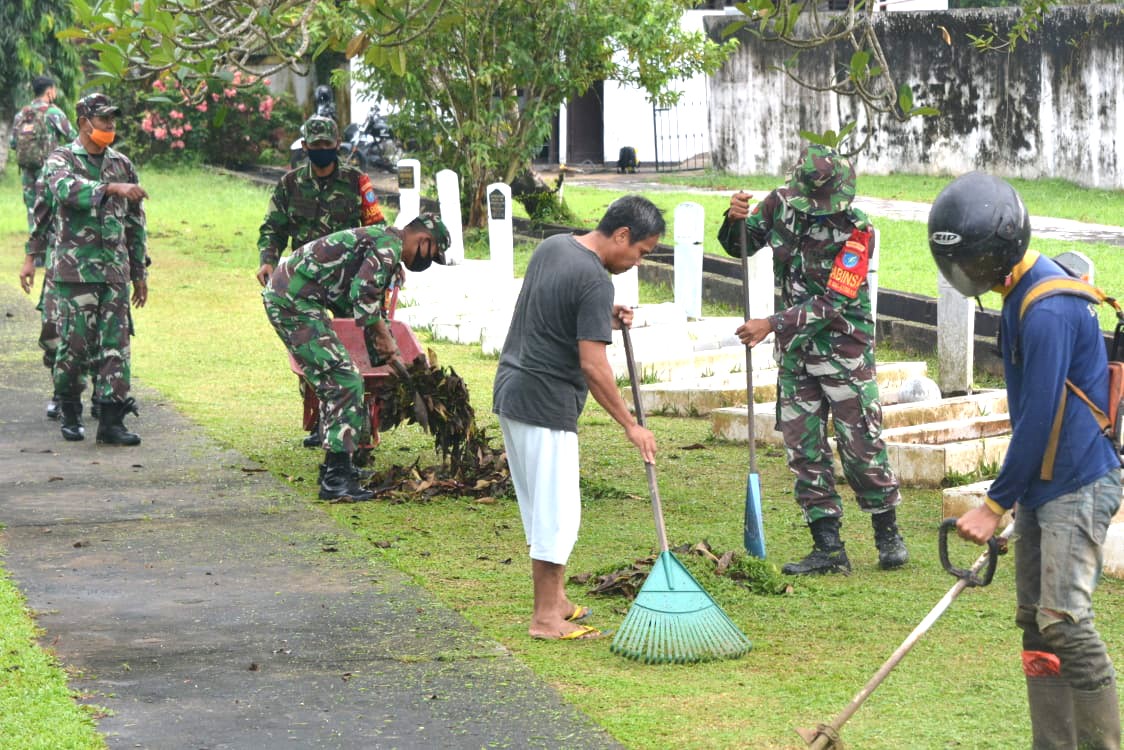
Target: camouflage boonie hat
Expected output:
[96,105]
[822,182]
[320,128]
[432,223]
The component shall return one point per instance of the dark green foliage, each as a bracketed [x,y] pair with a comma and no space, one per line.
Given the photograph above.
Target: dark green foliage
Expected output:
[28,48]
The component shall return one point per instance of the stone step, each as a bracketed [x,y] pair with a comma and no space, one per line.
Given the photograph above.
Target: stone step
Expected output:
[922,452]
[701,395]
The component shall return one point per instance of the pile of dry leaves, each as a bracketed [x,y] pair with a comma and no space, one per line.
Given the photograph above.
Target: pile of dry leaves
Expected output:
[759,576]
[437,399]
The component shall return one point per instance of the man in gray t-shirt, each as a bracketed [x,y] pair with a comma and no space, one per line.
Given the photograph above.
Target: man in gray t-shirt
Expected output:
[554,355]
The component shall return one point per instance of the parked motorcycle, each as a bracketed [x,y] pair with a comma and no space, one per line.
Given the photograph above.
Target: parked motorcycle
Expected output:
[371,145]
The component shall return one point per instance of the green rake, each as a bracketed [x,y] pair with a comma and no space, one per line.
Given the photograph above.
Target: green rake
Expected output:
[672,620]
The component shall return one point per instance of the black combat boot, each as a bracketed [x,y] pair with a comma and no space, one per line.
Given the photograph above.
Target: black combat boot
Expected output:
[891,548]
[111,425]
[312,439]
[53,408]
[72,427]
[827,556]
[338,480]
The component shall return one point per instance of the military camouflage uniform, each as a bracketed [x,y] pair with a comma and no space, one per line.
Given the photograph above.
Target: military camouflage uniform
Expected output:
[39,248]
[345,274]
[61,131]
[305,207]
[99,249]
[823,345]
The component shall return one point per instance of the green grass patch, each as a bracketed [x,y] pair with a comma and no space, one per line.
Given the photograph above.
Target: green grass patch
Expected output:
[37,709]
[1056,198]
[205,344]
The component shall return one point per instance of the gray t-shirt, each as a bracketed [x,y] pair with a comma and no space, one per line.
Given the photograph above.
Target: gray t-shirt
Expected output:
[567,297]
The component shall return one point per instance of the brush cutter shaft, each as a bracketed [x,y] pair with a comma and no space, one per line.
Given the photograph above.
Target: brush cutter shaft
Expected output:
[824,737]
[653,487]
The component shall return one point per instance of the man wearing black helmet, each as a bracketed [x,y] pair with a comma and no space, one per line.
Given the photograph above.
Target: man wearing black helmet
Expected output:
[979,232]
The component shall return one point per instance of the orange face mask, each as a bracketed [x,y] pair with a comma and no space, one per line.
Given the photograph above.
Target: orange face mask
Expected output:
[102,138]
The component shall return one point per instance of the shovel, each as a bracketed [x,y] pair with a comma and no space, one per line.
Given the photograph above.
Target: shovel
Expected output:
[753,529]
[826,736]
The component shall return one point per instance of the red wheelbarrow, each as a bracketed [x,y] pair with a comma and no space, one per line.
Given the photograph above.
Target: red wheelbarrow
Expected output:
[375,378]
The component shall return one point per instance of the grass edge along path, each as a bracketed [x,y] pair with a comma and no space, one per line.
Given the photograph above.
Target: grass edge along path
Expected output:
[37,708]
[204,343]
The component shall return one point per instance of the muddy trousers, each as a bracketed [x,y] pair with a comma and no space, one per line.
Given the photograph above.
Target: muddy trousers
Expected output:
[1058,558]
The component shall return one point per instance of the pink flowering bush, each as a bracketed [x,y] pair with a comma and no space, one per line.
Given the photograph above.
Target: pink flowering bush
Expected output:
[227,123]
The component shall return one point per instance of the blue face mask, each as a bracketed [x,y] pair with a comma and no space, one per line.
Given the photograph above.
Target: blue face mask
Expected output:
[322,157]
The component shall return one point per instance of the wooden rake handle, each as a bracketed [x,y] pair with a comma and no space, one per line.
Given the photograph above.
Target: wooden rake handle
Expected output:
[743,240]
[653,488]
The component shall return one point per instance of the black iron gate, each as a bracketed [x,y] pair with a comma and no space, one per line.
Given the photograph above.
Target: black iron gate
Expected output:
[682,133]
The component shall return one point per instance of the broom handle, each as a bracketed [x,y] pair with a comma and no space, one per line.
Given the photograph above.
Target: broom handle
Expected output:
[653,488]
[743,239]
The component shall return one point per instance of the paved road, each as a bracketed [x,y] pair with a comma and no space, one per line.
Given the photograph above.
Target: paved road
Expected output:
[201,602]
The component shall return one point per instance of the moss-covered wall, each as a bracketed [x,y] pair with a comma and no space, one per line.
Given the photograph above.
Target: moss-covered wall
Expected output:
[1052,108]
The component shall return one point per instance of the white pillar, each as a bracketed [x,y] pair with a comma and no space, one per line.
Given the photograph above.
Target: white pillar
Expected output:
[956,329]
[449,199]
[409,191]
[689,231]
[627,287]
[501,240]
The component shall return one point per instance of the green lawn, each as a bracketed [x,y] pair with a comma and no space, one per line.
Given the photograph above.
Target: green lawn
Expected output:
[815,646]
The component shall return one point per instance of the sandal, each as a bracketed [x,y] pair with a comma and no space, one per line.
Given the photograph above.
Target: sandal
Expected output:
[579,614]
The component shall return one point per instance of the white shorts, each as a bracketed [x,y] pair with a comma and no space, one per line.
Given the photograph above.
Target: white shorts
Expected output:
[545,470]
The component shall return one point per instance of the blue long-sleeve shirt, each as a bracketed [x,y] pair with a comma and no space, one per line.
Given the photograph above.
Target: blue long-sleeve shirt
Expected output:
[1058,338]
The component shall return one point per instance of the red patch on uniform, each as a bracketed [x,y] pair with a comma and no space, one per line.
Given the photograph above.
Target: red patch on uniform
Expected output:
[849,270]
[370,210]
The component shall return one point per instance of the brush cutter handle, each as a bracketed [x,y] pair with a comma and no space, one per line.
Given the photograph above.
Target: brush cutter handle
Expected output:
[969,576]
[653,488]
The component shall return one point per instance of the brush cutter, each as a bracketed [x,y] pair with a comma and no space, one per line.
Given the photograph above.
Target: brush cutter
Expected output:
[672,619]
[753,529]
[826,736]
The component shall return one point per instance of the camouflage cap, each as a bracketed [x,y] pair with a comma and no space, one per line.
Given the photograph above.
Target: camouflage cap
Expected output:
[320,128]
[822,182]
[432,223]
[96,105]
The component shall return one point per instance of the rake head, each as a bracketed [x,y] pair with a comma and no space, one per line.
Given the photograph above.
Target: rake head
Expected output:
[674,621]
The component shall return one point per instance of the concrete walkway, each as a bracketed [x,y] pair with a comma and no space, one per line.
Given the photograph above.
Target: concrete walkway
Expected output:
[205,605]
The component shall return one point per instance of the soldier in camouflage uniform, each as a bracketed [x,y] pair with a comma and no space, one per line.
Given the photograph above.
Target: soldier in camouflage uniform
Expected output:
[317,199]
[38,253]
[345,274]
[59,129]
[99,249]
[824,347]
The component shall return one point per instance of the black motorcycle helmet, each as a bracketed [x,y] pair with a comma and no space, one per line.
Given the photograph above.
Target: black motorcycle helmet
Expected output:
[978,230]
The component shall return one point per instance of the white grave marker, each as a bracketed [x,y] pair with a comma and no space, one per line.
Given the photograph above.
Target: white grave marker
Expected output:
[501,239]
[449,199]
[956,334]
[689,229]
[409,191]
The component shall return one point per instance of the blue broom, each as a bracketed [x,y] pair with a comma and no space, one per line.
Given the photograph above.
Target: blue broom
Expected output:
[672,620]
